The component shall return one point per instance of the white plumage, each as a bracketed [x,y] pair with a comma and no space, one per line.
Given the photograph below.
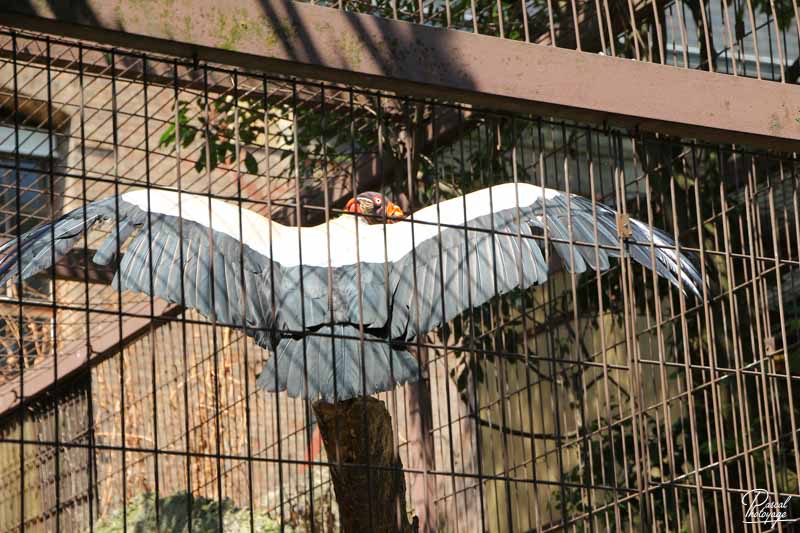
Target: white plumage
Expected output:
[369,248]
[301,285]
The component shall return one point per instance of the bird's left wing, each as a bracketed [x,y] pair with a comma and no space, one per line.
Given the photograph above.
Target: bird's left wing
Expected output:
[187,249]
[462,252]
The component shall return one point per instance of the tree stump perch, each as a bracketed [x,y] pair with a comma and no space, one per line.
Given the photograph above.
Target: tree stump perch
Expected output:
[366,472]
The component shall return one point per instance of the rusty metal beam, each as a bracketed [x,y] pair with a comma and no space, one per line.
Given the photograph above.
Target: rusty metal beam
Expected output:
[105,341]
[302,40]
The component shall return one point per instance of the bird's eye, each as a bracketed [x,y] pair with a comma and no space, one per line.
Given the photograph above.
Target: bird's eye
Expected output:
[378,200]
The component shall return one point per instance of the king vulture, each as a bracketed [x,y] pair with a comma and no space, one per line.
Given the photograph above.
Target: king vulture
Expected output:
[336,304]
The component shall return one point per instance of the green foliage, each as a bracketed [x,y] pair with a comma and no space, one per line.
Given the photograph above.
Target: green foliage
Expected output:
[335,135]
[217,128]
[615,468]
[174,518]
[784,11]
[486,14]
[187,131]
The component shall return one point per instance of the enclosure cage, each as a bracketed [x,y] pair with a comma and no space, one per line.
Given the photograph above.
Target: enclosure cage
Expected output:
[601,400]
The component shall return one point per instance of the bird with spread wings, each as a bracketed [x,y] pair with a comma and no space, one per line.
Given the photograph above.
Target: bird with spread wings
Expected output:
[337,304]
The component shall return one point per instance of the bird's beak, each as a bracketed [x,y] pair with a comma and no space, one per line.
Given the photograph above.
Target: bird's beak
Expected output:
[353,206]
[393,210]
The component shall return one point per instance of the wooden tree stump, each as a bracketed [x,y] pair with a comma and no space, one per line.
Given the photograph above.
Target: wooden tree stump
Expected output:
[357,433]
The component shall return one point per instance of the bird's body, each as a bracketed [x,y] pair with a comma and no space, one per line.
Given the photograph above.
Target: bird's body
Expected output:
[337,303]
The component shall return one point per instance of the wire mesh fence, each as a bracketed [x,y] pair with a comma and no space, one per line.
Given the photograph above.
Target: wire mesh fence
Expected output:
[750,38]
[601,397]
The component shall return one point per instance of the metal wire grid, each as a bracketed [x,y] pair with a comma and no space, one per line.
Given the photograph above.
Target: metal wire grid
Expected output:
[743,38]
[638,408]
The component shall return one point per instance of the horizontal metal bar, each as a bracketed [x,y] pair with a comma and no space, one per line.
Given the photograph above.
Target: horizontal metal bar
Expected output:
[105,341]
[305,40]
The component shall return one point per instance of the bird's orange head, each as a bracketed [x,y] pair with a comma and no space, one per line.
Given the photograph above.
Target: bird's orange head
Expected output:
[375,206]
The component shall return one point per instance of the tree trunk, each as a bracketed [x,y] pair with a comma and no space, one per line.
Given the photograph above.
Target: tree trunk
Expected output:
[367,474]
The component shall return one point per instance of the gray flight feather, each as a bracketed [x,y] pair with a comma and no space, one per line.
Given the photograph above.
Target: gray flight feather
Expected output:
[332,363]
[311,317]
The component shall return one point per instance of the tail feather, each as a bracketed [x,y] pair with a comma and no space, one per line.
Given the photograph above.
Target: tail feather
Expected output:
[329,365]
